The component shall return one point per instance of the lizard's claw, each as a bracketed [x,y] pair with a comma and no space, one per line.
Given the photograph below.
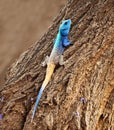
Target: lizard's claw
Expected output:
[44,63]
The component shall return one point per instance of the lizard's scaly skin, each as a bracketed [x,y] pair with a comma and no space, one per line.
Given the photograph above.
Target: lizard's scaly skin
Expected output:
[60,43]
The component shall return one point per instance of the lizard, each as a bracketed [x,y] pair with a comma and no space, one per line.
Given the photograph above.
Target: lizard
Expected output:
[56,57]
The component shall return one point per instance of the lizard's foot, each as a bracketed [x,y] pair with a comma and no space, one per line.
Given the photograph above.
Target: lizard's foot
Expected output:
[61,61]
[44,63]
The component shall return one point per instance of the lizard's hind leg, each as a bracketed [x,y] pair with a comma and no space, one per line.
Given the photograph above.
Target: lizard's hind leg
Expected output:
[61,61]
[44,63]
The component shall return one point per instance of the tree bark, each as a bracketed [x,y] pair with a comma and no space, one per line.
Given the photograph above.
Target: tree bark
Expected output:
[80,95]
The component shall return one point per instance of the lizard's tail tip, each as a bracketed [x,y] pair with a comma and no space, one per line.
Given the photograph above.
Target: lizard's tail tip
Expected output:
[32,120]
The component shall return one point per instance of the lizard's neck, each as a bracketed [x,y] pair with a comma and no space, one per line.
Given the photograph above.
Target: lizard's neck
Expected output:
[59,38]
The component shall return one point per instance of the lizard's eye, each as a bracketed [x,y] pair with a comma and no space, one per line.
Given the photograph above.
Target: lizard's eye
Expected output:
[65,23]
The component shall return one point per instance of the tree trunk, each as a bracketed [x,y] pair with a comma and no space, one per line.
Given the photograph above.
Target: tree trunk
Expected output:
[80,95]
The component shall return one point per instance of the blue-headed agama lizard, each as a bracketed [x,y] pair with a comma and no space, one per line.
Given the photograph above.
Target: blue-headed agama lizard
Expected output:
[56,57]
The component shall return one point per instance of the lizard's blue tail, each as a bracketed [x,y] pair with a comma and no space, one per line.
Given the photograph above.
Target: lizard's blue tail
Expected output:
[49,72]
[37,101]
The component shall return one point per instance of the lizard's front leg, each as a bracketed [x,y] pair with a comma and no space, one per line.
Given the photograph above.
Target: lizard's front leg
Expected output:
[44,63]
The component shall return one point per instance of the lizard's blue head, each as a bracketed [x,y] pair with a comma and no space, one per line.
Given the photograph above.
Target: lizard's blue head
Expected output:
[65,27]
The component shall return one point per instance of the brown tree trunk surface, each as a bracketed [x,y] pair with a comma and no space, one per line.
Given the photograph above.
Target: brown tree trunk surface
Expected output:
[80,95]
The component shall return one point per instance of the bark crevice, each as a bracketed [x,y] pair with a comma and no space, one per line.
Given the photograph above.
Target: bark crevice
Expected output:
[80,95]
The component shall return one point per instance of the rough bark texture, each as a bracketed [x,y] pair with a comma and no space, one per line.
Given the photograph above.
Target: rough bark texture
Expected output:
[80,95]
